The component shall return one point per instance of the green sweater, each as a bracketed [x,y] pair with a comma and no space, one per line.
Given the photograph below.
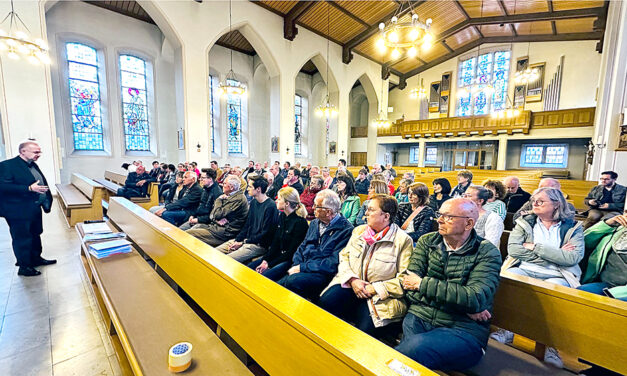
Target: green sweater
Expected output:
[600,239]
[350,208]
[456,284]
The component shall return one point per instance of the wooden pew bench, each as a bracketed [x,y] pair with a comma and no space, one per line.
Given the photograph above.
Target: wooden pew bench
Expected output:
[283,333]
[146,317]
[578,323]
[113,181]
[80,200]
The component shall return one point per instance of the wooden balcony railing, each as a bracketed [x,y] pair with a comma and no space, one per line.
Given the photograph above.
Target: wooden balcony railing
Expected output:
[357,132]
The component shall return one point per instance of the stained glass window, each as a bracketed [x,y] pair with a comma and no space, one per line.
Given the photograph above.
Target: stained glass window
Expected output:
[431,155]
[492,67]
[298,126]
[84,97]
[234,122]
[544,155]
[134,103]
[212,114]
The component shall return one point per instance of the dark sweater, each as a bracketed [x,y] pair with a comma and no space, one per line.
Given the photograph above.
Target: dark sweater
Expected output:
[435,204]
[260,224]
[208,198]
[514,201]
[423,222]
[289,233]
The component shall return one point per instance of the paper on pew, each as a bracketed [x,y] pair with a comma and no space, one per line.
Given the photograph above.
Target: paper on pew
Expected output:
[96,228]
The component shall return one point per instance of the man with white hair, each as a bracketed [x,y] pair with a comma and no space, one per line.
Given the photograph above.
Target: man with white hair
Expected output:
[227,217]
[25,193]
[179,211]
[316,260]
[515,197]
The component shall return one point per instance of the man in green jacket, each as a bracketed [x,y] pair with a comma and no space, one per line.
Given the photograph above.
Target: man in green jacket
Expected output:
[453,276]
[606,269]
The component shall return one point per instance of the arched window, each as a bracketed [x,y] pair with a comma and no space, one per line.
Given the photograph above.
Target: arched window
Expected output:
[234,121]
[134,103]
[212,112]
[84,87]
[298,126]
[492,67]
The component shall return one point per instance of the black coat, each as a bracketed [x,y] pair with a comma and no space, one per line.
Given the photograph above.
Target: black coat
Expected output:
[209,195]
[188,199]
[17,201]
[514,201]
[290,232]
[131,183]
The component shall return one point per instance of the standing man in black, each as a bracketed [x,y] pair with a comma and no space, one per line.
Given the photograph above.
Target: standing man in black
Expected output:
[25,192]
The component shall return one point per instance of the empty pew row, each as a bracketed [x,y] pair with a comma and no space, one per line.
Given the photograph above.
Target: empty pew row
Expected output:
[284,333]
[146,317]
[113,181]
[81,200]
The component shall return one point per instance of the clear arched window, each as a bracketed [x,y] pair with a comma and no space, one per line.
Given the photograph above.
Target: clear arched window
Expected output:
[134,103]
[84,88]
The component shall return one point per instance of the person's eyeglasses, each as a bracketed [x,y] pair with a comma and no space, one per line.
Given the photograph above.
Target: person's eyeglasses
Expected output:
[537,202]
[321,207]
[448,217]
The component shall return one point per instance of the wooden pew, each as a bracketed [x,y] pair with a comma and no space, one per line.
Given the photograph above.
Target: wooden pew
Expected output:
[592,327]
[80,200]
[146,317]
[284,333]
[113,181]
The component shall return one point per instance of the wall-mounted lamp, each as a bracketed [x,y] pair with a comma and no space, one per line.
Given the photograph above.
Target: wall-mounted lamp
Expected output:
[600,144]
[342,153]
[198,147]
[287,150]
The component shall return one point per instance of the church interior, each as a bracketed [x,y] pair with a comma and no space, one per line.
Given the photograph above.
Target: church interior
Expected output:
[413,90]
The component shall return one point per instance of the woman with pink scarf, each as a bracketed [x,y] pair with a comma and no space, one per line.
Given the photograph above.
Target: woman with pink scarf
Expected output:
[367,289]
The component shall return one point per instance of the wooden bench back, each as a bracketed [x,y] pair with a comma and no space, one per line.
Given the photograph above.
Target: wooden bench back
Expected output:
[592,327]
[87,186]
[115,177]
[284,333]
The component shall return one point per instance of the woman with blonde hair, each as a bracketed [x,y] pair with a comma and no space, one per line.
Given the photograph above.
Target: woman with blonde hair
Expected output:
[290,232]
[376,187]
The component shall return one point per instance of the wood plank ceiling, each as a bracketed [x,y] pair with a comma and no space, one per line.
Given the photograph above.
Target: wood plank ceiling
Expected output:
[458,26]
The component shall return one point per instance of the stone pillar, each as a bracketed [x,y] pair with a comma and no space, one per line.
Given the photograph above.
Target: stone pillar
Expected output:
[286,131]
[19,79]
[382,103]
[195,92]
[501,159]
[421,152]
[343,127]
[611,102]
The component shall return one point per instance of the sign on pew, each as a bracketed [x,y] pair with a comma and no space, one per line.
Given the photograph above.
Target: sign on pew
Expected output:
[284,333]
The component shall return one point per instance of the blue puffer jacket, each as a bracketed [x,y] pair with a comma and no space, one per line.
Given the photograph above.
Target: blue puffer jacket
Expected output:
[320,254]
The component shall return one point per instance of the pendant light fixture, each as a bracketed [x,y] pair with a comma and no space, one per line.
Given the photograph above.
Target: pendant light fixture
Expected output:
[418,92]
[382,121]
[326,109]
[230,85]
[18,43]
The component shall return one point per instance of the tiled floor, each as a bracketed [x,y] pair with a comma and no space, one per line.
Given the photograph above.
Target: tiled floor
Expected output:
[49,324]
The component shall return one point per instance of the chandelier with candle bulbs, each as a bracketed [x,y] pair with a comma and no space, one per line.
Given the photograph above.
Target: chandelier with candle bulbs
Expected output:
[17,43]
[230,85]
[405,37]
[327,109]
[418,92]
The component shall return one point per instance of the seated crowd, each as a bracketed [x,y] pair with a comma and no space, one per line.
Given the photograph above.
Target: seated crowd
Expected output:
[426,265]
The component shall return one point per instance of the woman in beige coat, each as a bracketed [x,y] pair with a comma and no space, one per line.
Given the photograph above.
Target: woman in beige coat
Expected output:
[367,289]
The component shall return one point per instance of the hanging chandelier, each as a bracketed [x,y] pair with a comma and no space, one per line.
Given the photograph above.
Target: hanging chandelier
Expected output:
[526,76]
[382,121]
[327,109]
[230,85]
[405,36]
[418,92]
[18,44]
[508,112]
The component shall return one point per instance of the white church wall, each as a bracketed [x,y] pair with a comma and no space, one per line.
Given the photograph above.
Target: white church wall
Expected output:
[112,34]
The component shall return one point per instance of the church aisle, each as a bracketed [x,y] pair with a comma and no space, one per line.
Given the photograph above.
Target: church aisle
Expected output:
[50,325]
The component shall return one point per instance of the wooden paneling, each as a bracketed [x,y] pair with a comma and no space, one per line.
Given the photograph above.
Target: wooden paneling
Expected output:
[280,6]
[475,125]
[127,8]
[407,65]
[392,130]
[576,4]
[357,132]
[443,13]
[342,26]
[359,159]
[576,117]
[496,30]
[369,11]
[436,51]
[465,36]
[531,28]
[236,41]
[369,48]
[581,25]
[525,6]
[478,8]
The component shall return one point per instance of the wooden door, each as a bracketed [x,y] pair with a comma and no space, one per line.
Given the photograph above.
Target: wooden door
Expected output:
[359,158]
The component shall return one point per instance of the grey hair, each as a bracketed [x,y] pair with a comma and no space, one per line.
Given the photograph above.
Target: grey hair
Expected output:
[318,179]
[387,174]
[411,177]
[191,173]
[233,181]
[562,211]
[27,143]
[330,200]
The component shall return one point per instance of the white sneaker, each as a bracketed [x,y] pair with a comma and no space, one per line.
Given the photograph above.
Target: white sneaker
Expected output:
[503,336]
[552,357]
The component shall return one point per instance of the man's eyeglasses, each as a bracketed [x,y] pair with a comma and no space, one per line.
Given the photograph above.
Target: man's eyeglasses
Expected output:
[448,217]
[321,207]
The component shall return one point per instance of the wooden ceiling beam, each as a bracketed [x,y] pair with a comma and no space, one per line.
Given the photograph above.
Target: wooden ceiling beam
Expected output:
[467,16]
[348,13]
[550,5]
[505,39]
[446,46]
[403,9]
[505,13]
[290,18]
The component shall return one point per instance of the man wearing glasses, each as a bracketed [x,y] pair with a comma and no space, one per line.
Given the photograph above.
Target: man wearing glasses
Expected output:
[316,259]
[606,200]
[452,277]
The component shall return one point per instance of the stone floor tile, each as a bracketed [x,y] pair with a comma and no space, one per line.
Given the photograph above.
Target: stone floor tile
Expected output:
[33,362]
[19,336]
[91,363]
